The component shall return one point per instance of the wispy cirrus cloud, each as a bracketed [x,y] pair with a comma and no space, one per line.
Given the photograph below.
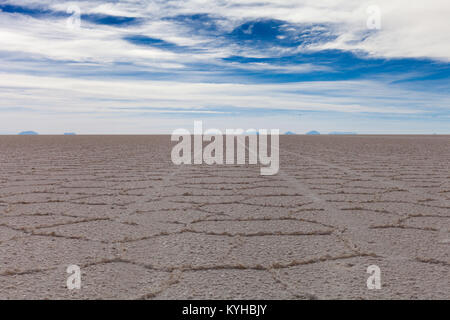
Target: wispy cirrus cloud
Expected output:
[223,58]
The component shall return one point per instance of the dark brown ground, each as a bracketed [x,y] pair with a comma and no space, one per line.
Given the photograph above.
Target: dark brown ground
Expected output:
[140,227]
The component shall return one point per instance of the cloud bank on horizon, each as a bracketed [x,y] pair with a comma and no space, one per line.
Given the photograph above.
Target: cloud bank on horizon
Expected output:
[153,66]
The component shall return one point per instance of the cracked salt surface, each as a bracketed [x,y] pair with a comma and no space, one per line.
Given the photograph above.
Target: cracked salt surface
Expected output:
[141,228]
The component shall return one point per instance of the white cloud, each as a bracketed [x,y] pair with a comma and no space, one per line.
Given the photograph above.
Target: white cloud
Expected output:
[82,95]
[412,28]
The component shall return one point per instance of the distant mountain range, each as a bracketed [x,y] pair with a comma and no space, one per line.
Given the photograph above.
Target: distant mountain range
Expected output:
[313,132]
[34,133]
[343,133]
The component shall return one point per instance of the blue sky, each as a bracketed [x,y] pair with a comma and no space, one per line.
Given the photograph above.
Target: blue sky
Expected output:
[154,66]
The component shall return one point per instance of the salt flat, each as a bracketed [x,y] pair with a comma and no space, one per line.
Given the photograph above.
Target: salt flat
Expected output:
[140,227]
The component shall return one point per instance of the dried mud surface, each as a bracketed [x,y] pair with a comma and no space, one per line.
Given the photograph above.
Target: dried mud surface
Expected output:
[142,228]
